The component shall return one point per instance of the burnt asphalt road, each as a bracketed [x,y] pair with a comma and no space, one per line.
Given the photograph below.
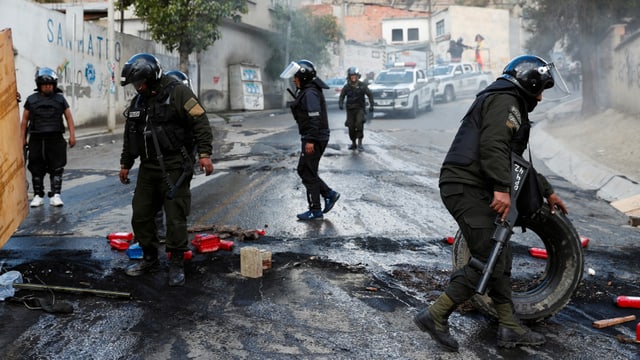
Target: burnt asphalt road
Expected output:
[342,288]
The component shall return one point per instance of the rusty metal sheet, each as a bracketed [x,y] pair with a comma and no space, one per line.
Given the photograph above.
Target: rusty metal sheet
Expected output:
[13,182]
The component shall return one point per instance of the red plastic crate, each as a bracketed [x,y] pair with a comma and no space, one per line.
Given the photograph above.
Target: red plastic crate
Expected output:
[119,244]
[206,243]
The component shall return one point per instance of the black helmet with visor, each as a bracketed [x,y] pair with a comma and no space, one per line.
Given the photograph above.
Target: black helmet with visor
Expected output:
[141,68]
[533,75]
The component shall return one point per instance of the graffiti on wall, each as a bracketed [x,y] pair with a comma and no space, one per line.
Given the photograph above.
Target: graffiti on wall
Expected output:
[79,81]
[112,77]
[629,70]
[90,44]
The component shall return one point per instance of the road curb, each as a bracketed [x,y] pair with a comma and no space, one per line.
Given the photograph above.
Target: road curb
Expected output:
[578,169]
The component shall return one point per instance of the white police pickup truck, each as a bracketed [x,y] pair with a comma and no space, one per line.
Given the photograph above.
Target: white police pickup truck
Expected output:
[402,89]
[459,79]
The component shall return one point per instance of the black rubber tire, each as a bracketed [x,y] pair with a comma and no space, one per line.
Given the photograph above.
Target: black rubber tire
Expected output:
[432,101]
[449,94]
[545,295]
[413,113]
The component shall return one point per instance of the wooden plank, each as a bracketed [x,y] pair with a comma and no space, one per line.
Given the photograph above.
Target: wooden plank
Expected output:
[613,321]
[13,181]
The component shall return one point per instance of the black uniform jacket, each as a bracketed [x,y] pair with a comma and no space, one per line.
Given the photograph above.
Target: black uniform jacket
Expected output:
[309,109]
[496,124]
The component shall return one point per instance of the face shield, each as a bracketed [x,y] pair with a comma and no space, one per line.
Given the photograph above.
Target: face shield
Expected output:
[291,70]
[560,89]
[137,84]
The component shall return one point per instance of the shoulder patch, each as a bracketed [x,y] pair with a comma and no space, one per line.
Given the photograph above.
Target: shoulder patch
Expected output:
[514,119]
[193,107]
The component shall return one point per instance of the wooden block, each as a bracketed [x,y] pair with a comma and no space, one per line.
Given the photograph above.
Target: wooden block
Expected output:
[250,262]
[266,259]
[627,205]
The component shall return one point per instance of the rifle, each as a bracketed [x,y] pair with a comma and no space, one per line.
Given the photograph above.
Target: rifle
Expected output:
[187,165]
[504,229]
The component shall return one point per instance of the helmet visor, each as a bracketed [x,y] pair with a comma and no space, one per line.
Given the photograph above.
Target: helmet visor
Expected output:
[560,88]
[137,84]
[291,70]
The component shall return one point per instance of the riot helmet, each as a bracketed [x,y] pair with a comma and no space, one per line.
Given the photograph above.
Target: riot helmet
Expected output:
[141,68]
[45,75]
[531,74]
[303,70]
[353,71]
[180,76]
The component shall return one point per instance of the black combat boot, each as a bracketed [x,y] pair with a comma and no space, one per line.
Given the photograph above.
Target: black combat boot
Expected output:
[434,320]
[149,263]
[176,269]
[38,185]
[56,184]
[38,191]
[511,332]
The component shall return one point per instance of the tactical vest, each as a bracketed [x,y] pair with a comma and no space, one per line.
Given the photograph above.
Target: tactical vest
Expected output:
[45,113]
[465,147]
[173,134]
[355,95]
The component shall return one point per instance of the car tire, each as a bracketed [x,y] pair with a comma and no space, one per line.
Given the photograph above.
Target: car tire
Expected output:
[546,294]
[449,94]
[413,113]
[432,101]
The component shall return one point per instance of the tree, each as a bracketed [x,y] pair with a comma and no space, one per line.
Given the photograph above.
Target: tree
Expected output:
[578,25]
[187,25]
[298,34]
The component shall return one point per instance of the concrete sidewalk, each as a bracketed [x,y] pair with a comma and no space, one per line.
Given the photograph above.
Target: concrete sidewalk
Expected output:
[93,135]
[598,152]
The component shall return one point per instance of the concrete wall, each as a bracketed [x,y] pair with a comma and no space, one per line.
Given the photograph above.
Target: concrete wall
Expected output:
[421,24]
[239,44]
[466,22]
[367,58]
[45,38]
[619,58]
[368,42]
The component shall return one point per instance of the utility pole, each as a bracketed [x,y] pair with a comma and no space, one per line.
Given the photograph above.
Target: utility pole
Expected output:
[111,65]
[430,54]
[285,94]
[343,10]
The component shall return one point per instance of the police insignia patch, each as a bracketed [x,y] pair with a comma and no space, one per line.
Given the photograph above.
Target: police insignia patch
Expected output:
[514,120]
[193,107]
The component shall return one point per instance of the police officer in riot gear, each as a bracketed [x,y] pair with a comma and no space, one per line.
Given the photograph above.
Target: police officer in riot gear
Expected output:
[160,216]
[42,120]
[309,109]
[180,76]
[165,121]
[355,91]
[475,182]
